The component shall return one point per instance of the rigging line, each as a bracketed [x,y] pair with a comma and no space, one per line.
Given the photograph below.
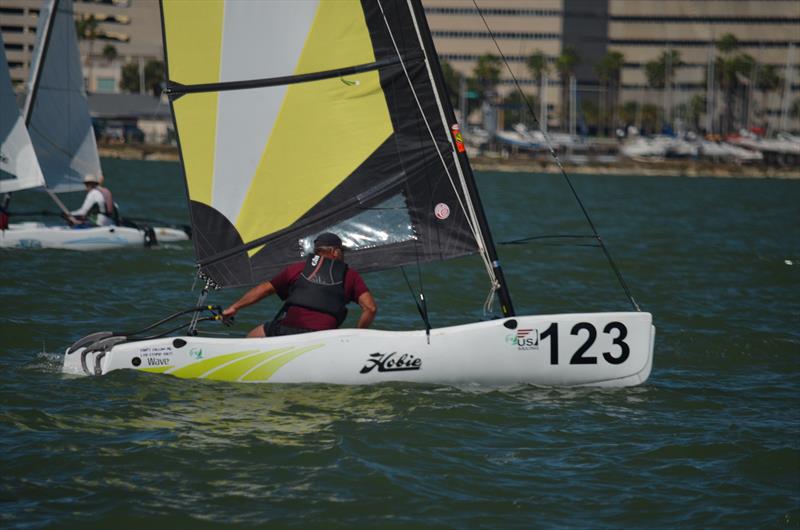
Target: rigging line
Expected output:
[534,238]
[468,211]
[423,310]
[558,163]
[487,260]
[427,125]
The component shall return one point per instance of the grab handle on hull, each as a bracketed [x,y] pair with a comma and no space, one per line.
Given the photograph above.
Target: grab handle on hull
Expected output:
[89,339]
[102,346]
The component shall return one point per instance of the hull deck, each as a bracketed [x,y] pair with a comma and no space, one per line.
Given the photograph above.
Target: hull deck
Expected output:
[602,349]
[39,235]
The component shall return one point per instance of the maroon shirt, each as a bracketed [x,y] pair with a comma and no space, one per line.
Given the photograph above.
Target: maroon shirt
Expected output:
[300,317]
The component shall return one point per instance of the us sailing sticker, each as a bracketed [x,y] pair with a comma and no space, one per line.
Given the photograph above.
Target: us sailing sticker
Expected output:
[441,211]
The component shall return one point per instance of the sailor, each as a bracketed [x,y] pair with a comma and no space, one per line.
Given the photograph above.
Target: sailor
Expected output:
[315,293]
[98,206]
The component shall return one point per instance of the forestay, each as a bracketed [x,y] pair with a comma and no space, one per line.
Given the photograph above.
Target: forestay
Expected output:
[298,117]
[19,169]
[56,109]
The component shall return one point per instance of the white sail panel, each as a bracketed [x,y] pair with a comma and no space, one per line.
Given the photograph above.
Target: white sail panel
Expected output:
[58,121]
[278,30]
[19,169]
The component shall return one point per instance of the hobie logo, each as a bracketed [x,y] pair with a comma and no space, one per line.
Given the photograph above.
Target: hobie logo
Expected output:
[391,362]
[524,339]
[196,353]
[314,261]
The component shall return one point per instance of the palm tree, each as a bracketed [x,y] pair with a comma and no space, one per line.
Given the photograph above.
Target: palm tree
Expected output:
[86,28]
[729,68]
[696,108]
[487,73]
[651,117]
[565,64]
[110,53]
[154,76]
[129,80]
[768,81]
[537,64]
[609,71]
[661,71]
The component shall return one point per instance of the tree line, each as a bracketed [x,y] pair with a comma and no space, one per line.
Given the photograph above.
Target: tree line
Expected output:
[735,75]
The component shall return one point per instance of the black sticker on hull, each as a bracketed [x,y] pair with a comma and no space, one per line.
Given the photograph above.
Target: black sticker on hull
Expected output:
[391,362]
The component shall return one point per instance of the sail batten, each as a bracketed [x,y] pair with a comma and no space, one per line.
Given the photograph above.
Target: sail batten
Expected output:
[178,89]
[327,136]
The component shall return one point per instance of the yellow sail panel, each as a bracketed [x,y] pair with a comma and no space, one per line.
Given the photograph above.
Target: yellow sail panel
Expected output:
[338,38]
[193,32]
[196,118]
[324,130]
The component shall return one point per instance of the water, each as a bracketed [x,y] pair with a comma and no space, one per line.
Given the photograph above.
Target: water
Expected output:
[712,440]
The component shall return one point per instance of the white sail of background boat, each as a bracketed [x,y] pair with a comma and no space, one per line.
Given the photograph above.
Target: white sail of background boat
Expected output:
[56,113]
[296,118]
[19,167]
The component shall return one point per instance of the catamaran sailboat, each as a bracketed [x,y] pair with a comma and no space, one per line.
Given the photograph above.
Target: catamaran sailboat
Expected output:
[61,149]
[297,118]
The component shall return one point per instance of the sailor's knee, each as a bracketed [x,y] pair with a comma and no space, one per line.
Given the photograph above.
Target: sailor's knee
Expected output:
[256,332]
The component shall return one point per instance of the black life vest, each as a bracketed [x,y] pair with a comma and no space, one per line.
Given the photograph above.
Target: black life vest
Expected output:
[320,287]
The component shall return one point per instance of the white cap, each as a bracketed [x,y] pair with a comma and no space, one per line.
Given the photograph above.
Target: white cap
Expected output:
[91,178]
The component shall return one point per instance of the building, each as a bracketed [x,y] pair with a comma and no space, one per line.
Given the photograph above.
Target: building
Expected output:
[133,28]
[766,30]
[641,30]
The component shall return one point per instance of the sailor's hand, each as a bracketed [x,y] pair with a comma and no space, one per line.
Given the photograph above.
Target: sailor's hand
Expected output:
[227,316]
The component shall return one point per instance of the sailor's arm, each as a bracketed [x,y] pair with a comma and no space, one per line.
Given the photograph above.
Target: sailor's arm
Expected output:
[252,296]
[368,310]
[88,202]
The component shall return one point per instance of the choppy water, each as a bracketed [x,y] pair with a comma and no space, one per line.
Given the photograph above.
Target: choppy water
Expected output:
[712,440]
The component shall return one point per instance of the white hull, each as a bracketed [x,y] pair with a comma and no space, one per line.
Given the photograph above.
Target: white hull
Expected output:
[618,351]
[39,235]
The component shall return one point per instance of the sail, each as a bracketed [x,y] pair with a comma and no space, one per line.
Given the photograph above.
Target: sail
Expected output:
[19,169]
[56,109]
[295,118]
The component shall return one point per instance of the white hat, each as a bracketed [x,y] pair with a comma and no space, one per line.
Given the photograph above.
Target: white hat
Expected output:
[91,178]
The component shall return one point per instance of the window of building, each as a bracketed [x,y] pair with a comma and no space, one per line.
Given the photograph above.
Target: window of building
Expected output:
[522,35]
[493,11]
[106,84]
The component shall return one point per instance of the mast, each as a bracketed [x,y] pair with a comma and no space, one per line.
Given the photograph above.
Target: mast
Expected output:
[36,75]
[446,107]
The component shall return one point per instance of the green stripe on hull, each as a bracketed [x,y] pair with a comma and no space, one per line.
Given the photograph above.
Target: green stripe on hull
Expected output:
[268,369]
[237,369]
[201,367]
[157,369]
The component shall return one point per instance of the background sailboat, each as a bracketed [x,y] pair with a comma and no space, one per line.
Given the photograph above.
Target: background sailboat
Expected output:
[341,123]
[56,113]
[19,167]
